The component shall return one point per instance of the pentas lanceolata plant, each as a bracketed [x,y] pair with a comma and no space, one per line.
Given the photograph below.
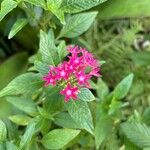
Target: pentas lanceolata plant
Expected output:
[73,74]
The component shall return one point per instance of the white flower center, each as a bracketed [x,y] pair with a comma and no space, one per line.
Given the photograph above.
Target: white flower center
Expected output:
[71,67]
[51,80]
[63,73]
[76,61]
[81,78]
[68,92]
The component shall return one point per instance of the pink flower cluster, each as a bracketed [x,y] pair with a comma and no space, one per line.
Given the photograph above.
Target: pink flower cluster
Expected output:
[73,74]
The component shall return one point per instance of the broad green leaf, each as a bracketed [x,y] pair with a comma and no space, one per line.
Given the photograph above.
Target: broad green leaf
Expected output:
[12,67]
[54,7]
[62,50]
[58,138]
[54,101]
[20,119]
[124,8]
[73,6]
[11,146]
[123,87]
[24,104]
[28,82]
[93,85]
[102,89]
[85,95]
[77,24]
[41,67]
[42,124]
[146,116]
[34,145]
[45,114]
[18,25]
[26,138]
[47,48]
[40,3]
[3,131]
[9,69]
[12,130]
[64,120]
[102,129]
[130,146]
[6,7]
[137,133]
[114,106]
[80,113]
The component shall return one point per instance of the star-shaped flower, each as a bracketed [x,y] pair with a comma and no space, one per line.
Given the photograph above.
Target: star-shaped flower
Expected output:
[69,92]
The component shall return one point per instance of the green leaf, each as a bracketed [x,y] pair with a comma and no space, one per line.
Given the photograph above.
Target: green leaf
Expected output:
[18,25]
[102,129]
[25,83]
[11,146]
[137,133]
[54,101]
[77,24]
[6,7]
[3,131]
[41,67]
[20,119]
[123,87]
[12,67]
[47,48]
[58,138]
[102,90]
[40,3]
[9,69]
[64,120]
[124,8]
[42,124]
[114,106]
[146,116]
[80,113]
[26,138]
[54,7]
[73,6]
[86,95]
[44,113]
[24,104]
[130,146]
[34,145]
[62,50]
[12,130]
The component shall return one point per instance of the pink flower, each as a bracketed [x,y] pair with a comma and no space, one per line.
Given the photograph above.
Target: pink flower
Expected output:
[83,78]
[95,72]
[75,60]
[69,92]
[89,59]
[75,73]
[61,71]
[49,80]
[73,50]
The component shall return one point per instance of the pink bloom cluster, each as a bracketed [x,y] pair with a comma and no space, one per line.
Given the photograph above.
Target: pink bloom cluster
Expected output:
[73,74]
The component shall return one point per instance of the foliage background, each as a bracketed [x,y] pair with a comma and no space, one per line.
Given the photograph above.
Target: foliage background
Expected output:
[119,35]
